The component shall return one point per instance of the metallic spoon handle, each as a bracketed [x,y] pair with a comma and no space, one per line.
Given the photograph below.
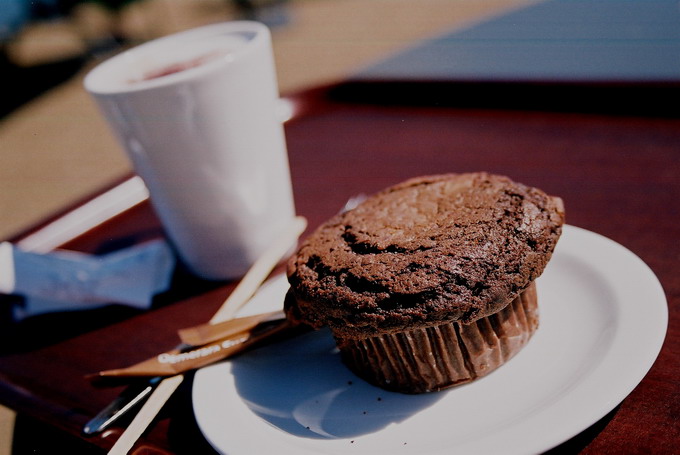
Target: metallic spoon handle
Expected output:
[129,399]
[246,288]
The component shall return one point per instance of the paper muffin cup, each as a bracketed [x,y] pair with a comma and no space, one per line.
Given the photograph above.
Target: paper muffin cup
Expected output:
[435,358]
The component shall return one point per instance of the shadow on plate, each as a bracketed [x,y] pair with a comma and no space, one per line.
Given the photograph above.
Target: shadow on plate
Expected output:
[302,387]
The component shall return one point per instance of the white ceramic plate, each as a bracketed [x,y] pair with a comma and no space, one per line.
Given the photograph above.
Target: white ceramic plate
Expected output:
[603,321]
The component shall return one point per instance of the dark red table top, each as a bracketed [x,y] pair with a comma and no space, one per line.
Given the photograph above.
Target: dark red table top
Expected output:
[616,171]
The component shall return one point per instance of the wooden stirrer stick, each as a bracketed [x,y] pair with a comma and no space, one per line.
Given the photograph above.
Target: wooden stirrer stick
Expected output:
[241,294]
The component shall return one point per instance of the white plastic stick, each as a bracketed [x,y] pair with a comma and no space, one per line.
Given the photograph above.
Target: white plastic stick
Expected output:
[241,294]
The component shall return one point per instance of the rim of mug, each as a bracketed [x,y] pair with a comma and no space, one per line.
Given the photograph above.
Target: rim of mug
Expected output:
[97,81]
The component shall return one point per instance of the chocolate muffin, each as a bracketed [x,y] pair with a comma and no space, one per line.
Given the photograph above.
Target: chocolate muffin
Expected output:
[429,283]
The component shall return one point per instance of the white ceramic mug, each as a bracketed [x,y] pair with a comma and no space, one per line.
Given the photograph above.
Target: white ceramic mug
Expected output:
[198,114]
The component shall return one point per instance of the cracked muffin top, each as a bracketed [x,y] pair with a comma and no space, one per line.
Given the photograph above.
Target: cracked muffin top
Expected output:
[453,247]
